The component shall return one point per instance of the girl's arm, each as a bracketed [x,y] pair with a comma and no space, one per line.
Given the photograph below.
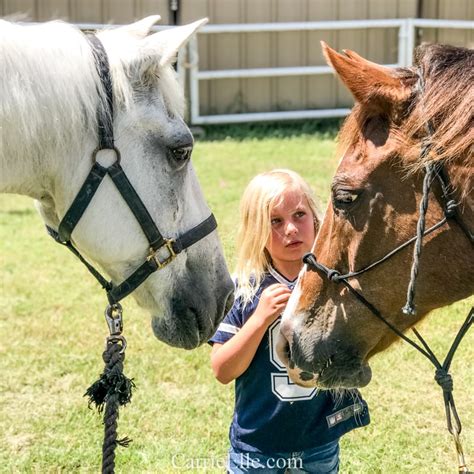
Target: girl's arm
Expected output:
[231,359]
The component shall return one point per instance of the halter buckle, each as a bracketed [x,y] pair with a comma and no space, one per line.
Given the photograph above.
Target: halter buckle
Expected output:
[167,258]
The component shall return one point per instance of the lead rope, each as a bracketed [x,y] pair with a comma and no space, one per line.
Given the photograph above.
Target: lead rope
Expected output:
[409,308]
[445,381]
[442,377]
[113,389]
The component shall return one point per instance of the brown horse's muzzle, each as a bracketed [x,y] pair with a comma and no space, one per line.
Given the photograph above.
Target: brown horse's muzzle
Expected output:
[325,363]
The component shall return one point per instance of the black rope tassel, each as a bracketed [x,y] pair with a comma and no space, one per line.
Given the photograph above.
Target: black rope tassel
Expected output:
[109,392]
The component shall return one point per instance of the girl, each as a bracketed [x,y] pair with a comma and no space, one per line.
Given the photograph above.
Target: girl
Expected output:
[277,426]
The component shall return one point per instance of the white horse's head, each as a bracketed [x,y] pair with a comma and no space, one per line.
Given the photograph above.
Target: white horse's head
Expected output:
[48,116]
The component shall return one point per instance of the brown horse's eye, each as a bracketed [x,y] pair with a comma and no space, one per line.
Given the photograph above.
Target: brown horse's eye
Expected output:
[344,198]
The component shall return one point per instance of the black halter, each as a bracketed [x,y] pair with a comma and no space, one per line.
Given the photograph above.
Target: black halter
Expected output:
[162,250]
[113,388]
[434,170]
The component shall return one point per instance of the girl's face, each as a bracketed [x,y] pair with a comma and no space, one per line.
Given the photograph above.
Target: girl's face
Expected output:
[292,232]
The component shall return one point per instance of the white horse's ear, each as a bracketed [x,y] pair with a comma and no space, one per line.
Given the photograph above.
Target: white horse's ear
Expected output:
[141,28]
[166,43]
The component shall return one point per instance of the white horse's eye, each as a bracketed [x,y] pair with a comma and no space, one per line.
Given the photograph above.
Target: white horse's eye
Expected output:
[182,154]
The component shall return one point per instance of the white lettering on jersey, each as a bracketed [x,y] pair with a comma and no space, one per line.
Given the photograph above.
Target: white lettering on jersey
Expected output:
[282,386]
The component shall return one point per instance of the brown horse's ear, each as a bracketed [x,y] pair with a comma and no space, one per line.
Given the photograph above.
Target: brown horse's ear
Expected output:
[366,80]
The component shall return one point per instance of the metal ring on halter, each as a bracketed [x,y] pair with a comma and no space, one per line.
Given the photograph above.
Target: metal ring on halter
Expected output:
[116,339]
[115,149]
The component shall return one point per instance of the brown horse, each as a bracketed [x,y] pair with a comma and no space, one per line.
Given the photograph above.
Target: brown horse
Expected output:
[327,334]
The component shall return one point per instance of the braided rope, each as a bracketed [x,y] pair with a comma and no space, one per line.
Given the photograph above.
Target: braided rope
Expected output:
[109,392]
[409,307]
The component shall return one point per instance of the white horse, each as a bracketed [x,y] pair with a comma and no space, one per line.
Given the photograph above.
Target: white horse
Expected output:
[48,117]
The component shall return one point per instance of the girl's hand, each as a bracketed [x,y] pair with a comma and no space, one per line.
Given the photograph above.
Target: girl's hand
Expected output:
[272,303]
[232,359]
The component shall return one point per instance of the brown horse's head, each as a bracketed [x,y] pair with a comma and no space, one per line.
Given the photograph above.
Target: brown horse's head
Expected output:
[327,335]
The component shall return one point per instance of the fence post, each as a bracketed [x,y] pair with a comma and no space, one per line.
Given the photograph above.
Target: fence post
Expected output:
[410,44]
[402,43]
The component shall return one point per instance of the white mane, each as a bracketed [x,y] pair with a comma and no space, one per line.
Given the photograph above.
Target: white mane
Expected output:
[49,86]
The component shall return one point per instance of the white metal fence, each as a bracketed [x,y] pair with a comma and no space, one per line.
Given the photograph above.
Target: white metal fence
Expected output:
[406,43]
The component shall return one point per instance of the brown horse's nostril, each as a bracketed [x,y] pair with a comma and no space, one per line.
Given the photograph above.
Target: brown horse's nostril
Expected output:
[291,364]
[305,376]
[283,350]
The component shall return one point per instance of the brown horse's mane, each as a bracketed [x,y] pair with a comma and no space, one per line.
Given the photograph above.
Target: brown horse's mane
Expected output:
[447,101]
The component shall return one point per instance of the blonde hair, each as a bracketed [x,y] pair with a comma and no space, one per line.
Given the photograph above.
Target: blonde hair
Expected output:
[261,195]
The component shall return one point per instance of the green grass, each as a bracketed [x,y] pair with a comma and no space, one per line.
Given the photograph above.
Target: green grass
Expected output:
[52,332]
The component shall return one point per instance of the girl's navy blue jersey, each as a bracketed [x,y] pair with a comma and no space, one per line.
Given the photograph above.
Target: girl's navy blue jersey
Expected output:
[272,414]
